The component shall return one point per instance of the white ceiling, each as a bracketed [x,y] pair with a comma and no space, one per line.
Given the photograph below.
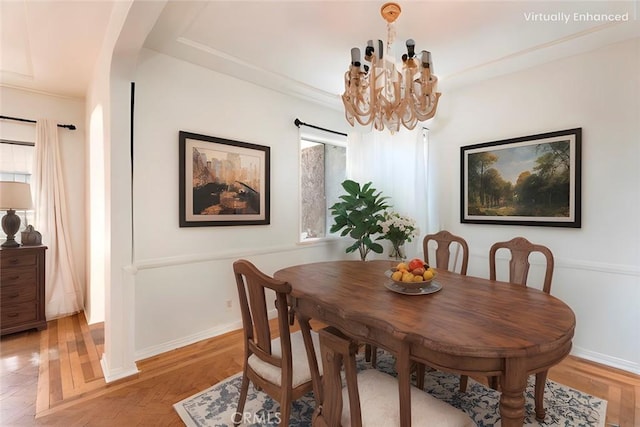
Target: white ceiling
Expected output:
[51,46]
[302,47]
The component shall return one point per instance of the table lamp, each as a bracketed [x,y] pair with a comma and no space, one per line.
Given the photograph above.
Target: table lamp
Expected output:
[13,195]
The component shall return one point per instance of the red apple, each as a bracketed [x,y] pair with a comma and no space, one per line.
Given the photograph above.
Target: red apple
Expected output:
[415,263]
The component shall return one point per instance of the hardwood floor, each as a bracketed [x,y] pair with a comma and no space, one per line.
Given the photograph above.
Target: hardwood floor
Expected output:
[54,378]
[70,352]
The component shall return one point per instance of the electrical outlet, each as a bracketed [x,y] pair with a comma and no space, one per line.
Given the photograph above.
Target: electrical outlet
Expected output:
[229,303]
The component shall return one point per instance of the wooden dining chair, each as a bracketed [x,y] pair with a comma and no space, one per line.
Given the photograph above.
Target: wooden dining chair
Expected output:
[447,244]
[445,240]
[279,366]
[520,249]
[370,397]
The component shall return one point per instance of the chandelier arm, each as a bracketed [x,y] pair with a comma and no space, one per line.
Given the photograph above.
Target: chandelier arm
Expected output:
[352,101]
[432,112]
[408,116]
[347,112]
[362,117]
[365,117]
[411,123]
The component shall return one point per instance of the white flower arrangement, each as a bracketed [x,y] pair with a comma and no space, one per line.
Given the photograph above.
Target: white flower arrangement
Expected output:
[397,228]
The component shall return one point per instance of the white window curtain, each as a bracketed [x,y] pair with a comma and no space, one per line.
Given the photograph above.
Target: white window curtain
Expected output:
[63,293]
[396,165]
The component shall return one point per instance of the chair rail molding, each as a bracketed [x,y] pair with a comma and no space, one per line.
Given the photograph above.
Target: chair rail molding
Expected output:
[152,263]
[576,264]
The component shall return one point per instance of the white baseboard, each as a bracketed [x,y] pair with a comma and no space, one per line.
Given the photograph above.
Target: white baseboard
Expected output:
[604,359]
[184,341]
[116,374]
[191,339]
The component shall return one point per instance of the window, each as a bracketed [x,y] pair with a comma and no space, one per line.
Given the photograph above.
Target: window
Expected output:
[16,163]
[323,165]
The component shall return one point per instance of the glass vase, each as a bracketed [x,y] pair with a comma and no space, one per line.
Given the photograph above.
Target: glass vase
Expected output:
[397,251]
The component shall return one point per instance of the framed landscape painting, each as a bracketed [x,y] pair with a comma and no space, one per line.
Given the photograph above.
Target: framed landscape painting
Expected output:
[222,182]
[530,180]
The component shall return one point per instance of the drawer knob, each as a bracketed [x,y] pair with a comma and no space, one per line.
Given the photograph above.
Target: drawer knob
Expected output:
[13,314]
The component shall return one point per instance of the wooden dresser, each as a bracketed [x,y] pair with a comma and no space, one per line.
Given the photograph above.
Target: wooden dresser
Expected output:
[22,289]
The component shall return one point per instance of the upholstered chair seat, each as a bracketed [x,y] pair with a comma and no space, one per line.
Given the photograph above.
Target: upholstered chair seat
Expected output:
[380,404]
[300,366]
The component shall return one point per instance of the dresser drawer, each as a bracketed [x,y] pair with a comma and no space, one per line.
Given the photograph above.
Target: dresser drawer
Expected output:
[22,293]
[18,276]
[17,259]
[17,293]
[18,313]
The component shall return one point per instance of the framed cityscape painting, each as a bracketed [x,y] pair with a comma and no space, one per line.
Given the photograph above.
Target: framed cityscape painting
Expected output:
[530,180]
[222,182]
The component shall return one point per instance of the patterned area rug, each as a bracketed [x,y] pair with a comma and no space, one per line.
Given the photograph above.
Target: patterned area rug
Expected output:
[565,406]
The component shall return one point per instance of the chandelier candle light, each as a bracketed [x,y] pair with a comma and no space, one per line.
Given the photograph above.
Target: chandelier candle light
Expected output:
[377,93]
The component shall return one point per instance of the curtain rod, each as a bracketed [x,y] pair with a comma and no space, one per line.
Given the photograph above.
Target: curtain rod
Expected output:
[17,119]
[298,123]
[14,142]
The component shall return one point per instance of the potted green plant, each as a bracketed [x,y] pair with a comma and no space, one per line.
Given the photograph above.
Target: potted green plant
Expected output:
[358,215]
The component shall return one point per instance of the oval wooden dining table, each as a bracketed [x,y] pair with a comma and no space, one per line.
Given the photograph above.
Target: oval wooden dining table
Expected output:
[471,326]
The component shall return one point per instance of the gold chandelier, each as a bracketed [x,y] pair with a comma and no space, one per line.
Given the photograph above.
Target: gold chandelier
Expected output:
[377,93]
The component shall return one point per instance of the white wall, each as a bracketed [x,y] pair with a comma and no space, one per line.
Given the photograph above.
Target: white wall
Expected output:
[34,105]
[597,266]
[183,277]
[108,112]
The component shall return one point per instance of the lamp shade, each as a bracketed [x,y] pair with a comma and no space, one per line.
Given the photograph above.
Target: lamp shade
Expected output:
[15,195]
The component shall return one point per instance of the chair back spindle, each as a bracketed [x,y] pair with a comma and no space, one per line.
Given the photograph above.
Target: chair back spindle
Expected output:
[445,240]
